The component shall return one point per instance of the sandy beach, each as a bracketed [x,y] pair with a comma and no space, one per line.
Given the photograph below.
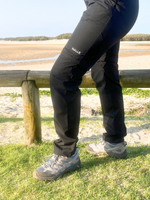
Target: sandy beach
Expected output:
[133,55]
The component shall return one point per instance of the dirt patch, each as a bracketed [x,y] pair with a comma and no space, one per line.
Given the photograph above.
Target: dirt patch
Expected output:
[135,111]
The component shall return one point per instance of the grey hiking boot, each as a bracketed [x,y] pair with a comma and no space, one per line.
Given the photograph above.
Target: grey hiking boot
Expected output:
[111,149]
[56,166]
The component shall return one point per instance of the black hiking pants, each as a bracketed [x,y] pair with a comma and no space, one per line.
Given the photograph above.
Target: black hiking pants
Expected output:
[93,45]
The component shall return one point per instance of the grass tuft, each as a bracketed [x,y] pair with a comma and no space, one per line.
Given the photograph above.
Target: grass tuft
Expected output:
[139,93]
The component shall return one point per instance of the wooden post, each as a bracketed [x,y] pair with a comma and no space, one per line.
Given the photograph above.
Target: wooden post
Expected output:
[32,118]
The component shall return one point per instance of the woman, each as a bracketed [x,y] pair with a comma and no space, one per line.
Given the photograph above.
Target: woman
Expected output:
[93,45]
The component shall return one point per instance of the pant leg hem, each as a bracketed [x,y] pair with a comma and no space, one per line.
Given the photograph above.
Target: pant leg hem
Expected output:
[114,139]
[64,151]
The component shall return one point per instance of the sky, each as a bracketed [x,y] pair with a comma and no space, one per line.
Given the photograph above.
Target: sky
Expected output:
[19,18]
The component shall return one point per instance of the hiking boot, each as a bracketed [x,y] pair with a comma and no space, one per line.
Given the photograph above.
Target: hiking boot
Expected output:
[56,166]
[111,149]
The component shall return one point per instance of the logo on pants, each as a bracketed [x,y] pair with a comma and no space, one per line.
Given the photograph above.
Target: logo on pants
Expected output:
[78,52]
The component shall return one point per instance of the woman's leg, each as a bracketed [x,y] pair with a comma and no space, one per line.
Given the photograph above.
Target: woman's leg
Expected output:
[106,76]
[101,27]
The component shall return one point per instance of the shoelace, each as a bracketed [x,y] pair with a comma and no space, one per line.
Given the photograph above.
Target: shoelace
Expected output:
[50,162]
[101,141]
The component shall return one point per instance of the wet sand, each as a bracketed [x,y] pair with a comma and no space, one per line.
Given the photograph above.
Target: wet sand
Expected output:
[140,58]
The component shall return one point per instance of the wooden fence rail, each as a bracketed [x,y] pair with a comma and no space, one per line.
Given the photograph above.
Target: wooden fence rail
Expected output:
[31,81]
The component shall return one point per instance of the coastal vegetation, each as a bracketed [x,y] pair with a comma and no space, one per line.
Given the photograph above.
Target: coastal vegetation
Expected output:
[38,38]
[132,37]
[136,37]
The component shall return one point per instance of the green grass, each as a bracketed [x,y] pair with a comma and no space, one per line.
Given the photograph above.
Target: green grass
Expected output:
[13,95]
[99,177]
[139,93]
[85,91]
[6,119]
[45,92]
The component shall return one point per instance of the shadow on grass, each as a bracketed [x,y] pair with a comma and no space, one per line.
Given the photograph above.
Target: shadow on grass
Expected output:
[50,119]
[100,118]
[140,117]
[10,119]
[47,119]
[132,152]
[138,128]
[3,119]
